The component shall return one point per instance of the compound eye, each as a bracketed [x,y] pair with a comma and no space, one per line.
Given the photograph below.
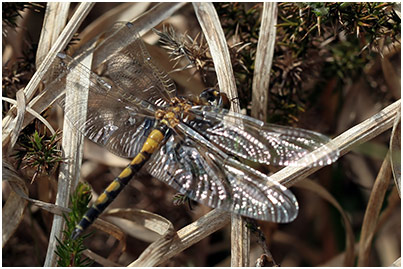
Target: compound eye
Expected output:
[210,94]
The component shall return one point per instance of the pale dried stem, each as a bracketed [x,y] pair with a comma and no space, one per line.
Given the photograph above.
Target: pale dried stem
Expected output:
[189,235]
[21,107]
[14,207]
[33,113]
[142,25]
[99,259]
[56,15]
[263,61]
[9,122]
[396,152]
[211,26]
[71,143]
[372,212]
[124,12]
[356,135]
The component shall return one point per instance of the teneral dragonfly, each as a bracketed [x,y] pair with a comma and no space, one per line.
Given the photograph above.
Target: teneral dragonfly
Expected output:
[194,144]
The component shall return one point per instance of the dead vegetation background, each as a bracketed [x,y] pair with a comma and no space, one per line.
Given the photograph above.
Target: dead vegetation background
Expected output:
[326,75]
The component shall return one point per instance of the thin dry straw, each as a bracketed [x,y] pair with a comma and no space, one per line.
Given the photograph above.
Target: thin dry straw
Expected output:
[65,181]
[211,26]
[9,122]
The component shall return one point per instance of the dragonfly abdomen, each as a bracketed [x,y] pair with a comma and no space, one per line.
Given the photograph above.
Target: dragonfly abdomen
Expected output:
[150,145]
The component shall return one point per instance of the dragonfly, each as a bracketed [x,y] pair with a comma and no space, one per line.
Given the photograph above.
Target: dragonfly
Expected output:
[195,144]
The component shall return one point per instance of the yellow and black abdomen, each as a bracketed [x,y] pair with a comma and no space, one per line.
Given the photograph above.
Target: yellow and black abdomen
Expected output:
[152,142]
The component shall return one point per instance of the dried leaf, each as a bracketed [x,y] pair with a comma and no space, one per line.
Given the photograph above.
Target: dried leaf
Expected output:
[13,210]
[372,212]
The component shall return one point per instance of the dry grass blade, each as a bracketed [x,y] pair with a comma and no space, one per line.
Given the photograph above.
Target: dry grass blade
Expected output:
[322,192]
[153,255]
[32,113]
[38,104]
[72,144]
[153,222]
[142,25]
[20,189]
[210,24]
[55,19]
[395,152]
[18,120]
[192,233]
[240,241]
[372,213]
[393,202]
[117,233]
[14,207]
[356,135]
[156,15]
[123,12]
[112,230]
[99,259]
[9,122]
[397,263]
[147,220]
[263,61]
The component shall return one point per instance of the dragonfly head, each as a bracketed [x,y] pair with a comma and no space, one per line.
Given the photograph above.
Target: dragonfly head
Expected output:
[215,98]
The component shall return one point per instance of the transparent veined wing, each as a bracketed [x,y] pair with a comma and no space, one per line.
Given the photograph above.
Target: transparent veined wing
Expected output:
[132,69]
[195,170]
[118,121]
[251,139]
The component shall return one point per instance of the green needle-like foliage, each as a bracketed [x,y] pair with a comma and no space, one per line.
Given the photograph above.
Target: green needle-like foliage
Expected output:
[68,250]
[40,152]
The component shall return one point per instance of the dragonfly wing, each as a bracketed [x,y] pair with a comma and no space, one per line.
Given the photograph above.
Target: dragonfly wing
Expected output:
[254,140]
[117,122]
[133,70]
[227,184]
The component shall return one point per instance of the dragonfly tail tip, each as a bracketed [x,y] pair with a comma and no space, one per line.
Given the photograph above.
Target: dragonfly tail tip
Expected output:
[76,233]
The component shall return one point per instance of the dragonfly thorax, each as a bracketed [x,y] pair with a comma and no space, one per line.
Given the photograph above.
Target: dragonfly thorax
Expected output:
[172,114]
